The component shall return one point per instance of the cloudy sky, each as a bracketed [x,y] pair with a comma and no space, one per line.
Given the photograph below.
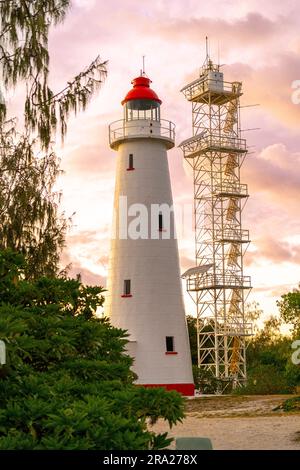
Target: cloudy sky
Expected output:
[259,43]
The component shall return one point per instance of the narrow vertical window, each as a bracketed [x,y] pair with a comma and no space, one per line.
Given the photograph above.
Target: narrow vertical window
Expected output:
[160,222]
[127,287]
[130,161]
[170,343]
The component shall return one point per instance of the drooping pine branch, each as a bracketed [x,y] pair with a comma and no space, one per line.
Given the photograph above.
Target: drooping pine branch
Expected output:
[45,110]
[30,221]
[24,30]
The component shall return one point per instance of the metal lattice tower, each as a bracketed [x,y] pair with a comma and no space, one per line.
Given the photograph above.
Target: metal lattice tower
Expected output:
[216,153]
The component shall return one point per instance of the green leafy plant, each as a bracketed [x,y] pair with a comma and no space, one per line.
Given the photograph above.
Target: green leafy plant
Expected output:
[68,383]
[291,404]
[289,307]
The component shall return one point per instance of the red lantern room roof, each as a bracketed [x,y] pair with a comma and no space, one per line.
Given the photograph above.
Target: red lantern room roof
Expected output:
[141,91]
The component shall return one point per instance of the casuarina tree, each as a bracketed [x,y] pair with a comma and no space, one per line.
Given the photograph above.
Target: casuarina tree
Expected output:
[30,219]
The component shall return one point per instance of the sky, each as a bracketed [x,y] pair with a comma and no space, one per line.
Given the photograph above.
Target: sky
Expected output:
[259,44]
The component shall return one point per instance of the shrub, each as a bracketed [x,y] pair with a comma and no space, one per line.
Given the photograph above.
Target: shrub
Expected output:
[205,381]
[67,383]
[292,404]
[265,379]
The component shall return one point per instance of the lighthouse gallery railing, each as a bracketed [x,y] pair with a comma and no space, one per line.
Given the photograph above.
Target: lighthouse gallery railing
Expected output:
[121,129]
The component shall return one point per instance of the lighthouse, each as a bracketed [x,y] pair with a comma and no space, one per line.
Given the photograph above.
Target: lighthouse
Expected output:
[144,288]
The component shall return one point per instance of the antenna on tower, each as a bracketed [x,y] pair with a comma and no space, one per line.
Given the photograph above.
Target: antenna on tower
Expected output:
[206,47]
[208,63]
[143,69]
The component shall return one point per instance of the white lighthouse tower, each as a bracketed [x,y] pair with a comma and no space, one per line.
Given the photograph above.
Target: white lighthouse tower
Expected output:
[144,287]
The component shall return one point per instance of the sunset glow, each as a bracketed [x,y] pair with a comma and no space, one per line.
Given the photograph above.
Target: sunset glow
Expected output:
[260,46]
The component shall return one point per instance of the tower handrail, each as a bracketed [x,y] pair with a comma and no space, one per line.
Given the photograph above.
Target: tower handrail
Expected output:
[119,130]
[205,140]
[202,85]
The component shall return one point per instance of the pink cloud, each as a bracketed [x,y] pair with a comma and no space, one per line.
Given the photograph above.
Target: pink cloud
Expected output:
[273,250]
[87,277]
[245,29]
[270,85]
[74,269]
[275,172]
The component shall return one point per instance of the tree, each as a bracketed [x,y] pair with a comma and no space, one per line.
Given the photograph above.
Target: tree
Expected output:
[24,35]
[289,307]
[30,221]
[67,383]
[252,313]
[192,330]
[269,361]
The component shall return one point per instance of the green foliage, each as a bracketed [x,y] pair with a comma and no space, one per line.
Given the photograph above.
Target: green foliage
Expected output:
[252,313]
[292,374]
[192,330]
[270,369]
[68,383]
[205,381]
[289,307]
[291,404]
[265,379]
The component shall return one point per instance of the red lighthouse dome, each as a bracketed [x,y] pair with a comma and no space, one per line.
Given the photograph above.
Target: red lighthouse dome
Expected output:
[141,91]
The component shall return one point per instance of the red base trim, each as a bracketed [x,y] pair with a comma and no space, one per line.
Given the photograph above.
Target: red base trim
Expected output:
[126,295]
[171,352]
[185,389]
[130,169]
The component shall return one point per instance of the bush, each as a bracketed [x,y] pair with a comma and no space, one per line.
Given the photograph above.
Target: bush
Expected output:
[292,404]
[205,381]
[67,383]
[265,379]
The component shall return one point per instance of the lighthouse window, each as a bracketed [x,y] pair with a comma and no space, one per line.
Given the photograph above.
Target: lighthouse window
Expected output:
[160,222]
[170,343]
[130,162]
[142,109]
[127,287]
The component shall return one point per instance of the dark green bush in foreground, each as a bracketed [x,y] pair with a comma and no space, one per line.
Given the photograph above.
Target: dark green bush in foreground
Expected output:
[67,383]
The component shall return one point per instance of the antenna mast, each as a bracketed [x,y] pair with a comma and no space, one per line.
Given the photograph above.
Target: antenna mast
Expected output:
[207,51]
